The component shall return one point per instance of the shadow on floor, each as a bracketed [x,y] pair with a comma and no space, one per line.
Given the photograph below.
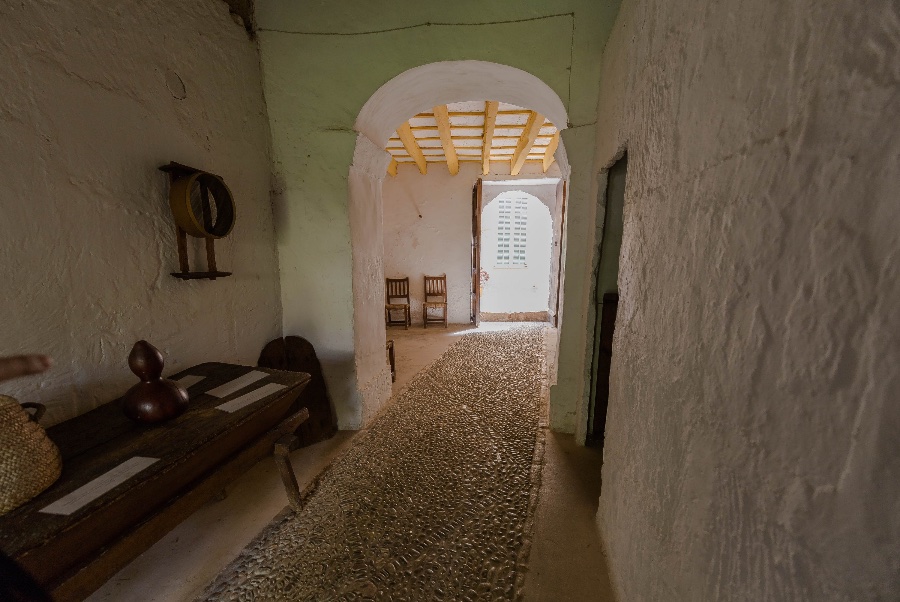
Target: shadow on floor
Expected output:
[567,561]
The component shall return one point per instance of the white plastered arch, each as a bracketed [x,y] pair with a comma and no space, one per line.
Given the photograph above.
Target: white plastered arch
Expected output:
[411,92]
[422,88]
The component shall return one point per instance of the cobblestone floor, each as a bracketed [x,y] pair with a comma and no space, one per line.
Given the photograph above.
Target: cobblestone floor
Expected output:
[433,502]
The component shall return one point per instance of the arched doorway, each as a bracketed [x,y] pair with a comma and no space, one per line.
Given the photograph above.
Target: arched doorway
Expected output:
[396,101]
[517,238]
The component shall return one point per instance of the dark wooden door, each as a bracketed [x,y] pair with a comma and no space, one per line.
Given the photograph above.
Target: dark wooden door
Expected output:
[606,300]
[476,252]
[605,329]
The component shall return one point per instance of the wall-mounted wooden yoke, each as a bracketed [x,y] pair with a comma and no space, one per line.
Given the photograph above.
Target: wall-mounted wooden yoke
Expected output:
[200,193]
[203,207]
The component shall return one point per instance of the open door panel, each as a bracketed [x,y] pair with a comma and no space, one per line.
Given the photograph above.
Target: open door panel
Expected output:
[476,252]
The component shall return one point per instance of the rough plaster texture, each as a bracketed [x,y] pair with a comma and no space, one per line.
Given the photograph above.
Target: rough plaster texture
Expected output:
[751,447]
[440,241]
[314,105]
[373,374]
[95,97]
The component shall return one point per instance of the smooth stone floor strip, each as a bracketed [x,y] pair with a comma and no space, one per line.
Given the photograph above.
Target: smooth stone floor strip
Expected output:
[434,501]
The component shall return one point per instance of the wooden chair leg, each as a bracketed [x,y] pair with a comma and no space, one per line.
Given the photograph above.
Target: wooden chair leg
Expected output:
[391,360]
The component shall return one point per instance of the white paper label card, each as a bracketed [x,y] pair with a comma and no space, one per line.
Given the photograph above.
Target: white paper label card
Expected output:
[189,380]
[91,490]
[237,384]
[247,398]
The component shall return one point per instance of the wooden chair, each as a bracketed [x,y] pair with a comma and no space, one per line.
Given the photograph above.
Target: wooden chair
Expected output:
[435,299]
[396,288]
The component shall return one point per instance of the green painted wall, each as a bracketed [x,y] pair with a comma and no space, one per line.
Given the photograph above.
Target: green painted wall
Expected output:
[320,66]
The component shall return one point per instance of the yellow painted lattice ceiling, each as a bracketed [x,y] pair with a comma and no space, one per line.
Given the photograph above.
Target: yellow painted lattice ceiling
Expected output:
[478,132]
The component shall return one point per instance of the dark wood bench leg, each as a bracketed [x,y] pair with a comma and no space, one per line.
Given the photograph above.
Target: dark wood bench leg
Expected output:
[283,448]
[284,445]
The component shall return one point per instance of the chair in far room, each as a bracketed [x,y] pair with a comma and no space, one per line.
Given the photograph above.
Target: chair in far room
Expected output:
[435,300]
[396,289]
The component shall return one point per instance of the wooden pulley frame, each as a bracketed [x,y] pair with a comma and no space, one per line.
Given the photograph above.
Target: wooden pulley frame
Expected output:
[193,194]
[184,202]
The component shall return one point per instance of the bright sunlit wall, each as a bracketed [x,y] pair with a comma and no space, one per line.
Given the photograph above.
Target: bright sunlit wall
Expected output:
[517,238]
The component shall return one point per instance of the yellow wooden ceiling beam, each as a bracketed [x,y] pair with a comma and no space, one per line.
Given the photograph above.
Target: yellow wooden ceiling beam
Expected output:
[443,123]
[473,159]
[462,126]
[421,138]
[392,168]
[412,147]
[550,153]
[490,119]
[529,135]
[472,113]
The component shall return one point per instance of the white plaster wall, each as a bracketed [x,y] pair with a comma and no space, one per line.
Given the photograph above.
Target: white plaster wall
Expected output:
[453,81]
[523,288]
[752,438]
[86,237]
[373,373]
[437,243]
[440,241]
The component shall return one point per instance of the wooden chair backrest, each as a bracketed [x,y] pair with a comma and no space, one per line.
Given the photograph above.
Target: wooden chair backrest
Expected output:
[436,286]
[396,288]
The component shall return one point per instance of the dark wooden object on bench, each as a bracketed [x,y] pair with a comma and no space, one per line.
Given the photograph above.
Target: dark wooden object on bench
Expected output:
[296,354]
[199,453]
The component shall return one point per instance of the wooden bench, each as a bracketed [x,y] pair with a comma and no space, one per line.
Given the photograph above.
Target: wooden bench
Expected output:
[198,453]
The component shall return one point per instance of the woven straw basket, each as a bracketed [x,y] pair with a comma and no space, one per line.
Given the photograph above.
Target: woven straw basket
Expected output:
[29,460]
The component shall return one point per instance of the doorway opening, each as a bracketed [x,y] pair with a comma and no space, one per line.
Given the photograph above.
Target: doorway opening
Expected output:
[606,300]
[430,228]
[418,128]
[517,244]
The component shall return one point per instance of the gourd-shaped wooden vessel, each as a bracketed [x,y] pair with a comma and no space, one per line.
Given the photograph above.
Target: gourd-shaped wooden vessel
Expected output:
[154,399]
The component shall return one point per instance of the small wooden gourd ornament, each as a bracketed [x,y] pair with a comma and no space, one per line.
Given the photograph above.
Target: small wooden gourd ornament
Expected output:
[154,399]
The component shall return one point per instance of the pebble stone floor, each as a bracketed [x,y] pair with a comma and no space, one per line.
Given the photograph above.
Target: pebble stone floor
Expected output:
[434,501]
